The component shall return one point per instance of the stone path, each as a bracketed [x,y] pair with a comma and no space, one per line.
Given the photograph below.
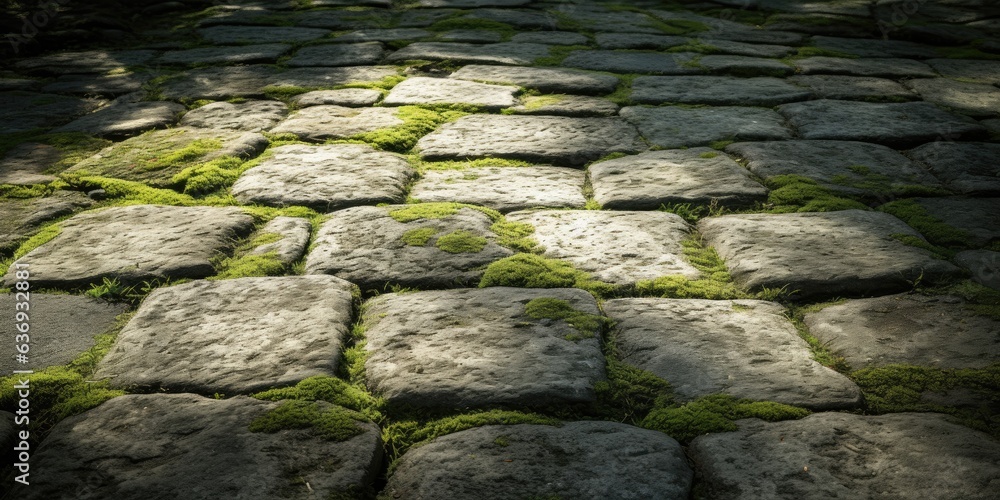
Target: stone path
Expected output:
[466,249]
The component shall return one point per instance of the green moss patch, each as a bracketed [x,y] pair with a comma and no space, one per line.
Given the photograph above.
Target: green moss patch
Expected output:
[557,53]
[210,177]
[423,166]
[40,238]
[461,242]
[715,413]
[419,237]
[515,235]
[630,393]
[244,265]
[420,211]
[329,389]
[794,193]
[935,230]
[534,271]
[622,95]
[589,325]
[538,102]
[123,192]
[417,122]
[330,422]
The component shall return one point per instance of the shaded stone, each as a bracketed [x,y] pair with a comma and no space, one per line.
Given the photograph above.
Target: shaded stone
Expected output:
[638,41]
[294,233]
[846,7]
[971,99]
[27,163]
[470,36]
[25,111]
[260,34]
[23,218]
[97,85]
[549,80]
[232,336]
[675,127]
[519,18]
[881,67]
[249,116]
[823,24]
[8,432]
[566,105]
[351,98]
[423,18]
[744,66]
[748,35]
[93,61]
[385,35]
[615,247]
[841,455]
[338,54]
[979,218]
[653,63]
[423,90]
[222,83]
[135,244]
[544,139]
[907,329]
[550,38]
[265,53]
[967,69]
[715,90]
[494,53]
[318,123]
[201,447]
[126,119]
[969,168]
[7,84]
[894,124]
[469,4]
[343,19]
[600,19]
[577,460]
[366,246]
[848,252]
[325,177]
[984,266]
[504,188]
[744,348]
[648,180]
[867,47]
[854,88]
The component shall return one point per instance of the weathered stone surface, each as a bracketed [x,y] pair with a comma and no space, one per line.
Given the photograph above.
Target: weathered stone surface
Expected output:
[135,244]
[245,54]
[232,336]
[27,163]
[849,167]
[863,47]
[365,245]
[423,18]
[24,111]
[881,67]
[201,448]
[478,347]
[260,34]
[675,127]
[971,99]
[748,49]
[126,119]
[92,61]
[744,66]
[469,4]
[854,88]
[983,264]
[550,80]
[343,19]
[318,123]
[294,232]
[249,116]
[338,54]
[509,53]
[384,35]
[648,180]
[470,36]
[7,84]
[20,219]
[572,461]
[97,85]
[8,431]
[597,18]
[849,252]
[66,325]
[767,36]
[823,24]
[845,456]
[969,168]
[423,90]
[325,177]
[550,38]
[221,83]
[504,188]
[716,90]
[616,247]
[979,218]
[893,124]
[351,98]
[524,19]
[908,329]
[653,63]
[566,105]
[745,348]
[638,41]
[556,139]
[967,69]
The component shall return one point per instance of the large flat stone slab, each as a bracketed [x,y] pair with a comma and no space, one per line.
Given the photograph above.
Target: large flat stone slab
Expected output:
[135,244]
[325,177]
[338,54]
[239,35]
[551,80]
[616,247]
[972,99]
[979,218]
[86,62]
[220,83]
[351,98]
[385,35]
[894,124]
[973,70]
[126,119]
[715,90]
[232,336]
[367,246]
[572,461]
[319,123]
[744,348]
[637,41]
[879,67]
[863,47]
[697,175]
[423,90]
[249,116]
[243,54]
[20,219]
[675,127]
[908,329]
[566,105]
[201,448]
[504,188]
[508,53]
[854,88]
[744,66]
[845,456]
[25,111]
[102,85]
[850,252]
[649,63]
[984,266]
[478,347]
[543,139]
[968,168]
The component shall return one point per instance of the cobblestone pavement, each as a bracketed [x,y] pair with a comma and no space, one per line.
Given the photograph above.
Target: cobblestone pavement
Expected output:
[469,249]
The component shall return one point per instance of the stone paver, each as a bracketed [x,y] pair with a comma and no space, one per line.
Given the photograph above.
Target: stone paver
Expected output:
[226,82]
[566,105]
[978,218]
[550,37]
[615,461]
[552,80]
[319,123]
[967,69]
[244,54]
[25,111]
[972,99]
[238,35]
[744,66]
[638,41]
[95,84]
[249,116]
[983,264]
[20,219]
[338,54]
[822,254]
[854,88]
[351,98]
[384,35]
[495,53]
[126,119]
[745,348]
[654,63]
[863,47]
[969,168]
[422,90]
[294,233]
[86,62]
[675,127]
[716,90]
[885,68]
[504,188]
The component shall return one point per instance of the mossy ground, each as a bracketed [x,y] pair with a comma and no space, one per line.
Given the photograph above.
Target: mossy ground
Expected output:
[715,413]
[330,422]
[461,242]
[794,193]
[534,271]
[417,122]
[243,264]
[935,230]
[588,325]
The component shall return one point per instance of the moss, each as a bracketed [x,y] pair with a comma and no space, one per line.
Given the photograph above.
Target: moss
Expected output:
[40,238]
[539,102]
[708,155]
[420,211]
[918,242]
[419,237]
[696,46]
[423,166]
[715,413]
[720,145]
[329,389]
[331,422]
[935,230]
[680,26]
[534,271]
[623,93]
[818,52]
[820,352]
[794,193]
[966,52]
[630,393]
[461,242]
[123,192]
[243,264]
[557,53]
[209,177]
[515,235]
[589,325]
[417,122]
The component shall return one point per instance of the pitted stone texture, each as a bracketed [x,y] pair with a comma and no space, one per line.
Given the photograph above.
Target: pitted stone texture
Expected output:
[201,448]
[862,47]
[319,123]
[294,232]
[894,124]
[880,67]
[638,41]
[973,99]
[984,266]
[550,38]
[126,119]
[969,168]
[549,80]
[545,139]
[979,218]
[745,348]
[648,180]
[908,329]
[578,460]
[245,54]
[566,105]
[675,127]
[967,69]
[351,98]
[744,66]
[616,247]
[251,81]
[385,35]
[470,36]
[93,61]
[493,53]
[846,167]
[504,188]
[250,116]
[845,456]
[716,90]
[365,245]
[652,63]
[20,219]
[523,19]
[232,336]
[423,90]
[135,244]
[478,347]
[24,111]
[68,324]
[96,85]
[338,54]
[854,88]
[849,252]
[325,177]
[236,35]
